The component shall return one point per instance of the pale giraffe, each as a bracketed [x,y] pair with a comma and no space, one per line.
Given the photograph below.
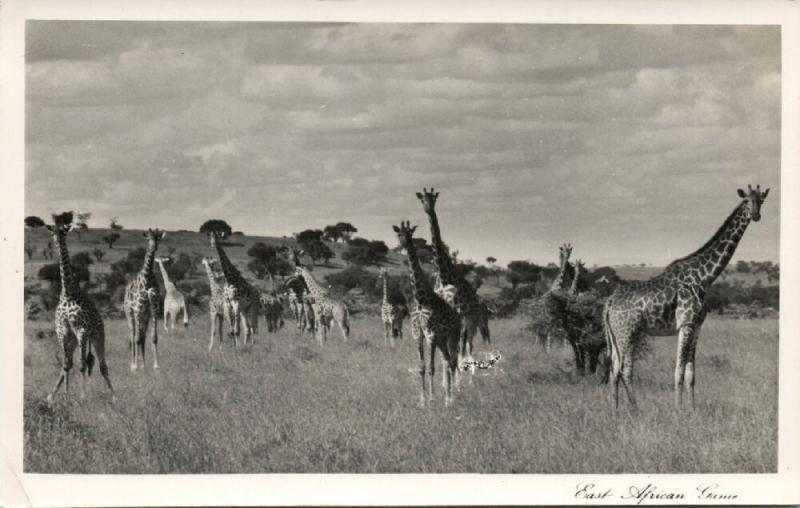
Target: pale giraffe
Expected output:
[78,323]
[174,301]
[434,323]
[141,303]
[391,314]
[244,298]
[218,303]
[474,313]
[673,302]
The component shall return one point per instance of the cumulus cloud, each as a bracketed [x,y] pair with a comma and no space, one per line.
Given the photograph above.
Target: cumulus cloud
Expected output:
[604,136]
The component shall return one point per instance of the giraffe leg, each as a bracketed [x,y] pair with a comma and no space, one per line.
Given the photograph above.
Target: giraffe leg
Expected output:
[166,318]
[67,342]
[627,377]
[132,341]
[213,317]
[82,351]
[99,342]
[431,363]
[684,342]
[421,347]
[155,342]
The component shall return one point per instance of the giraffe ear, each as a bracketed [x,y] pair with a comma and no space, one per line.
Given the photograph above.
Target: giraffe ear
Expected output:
[163,234]
[50,228]
[395,228]
[764,194]
[741,193]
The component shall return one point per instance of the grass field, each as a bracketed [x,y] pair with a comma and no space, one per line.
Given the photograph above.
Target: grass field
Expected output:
[287,405]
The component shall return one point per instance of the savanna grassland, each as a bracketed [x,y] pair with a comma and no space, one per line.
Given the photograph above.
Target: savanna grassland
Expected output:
[288,405]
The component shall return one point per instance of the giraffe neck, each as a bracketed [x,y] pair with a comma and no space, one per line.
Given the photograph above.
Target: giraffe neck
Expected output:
[562,270]
[167,283]
[420,286]
[385,290]
[314,288]
[573,289]
[444,262]
[69,283]
[147,270]
[212,280]
[232,274]
[712,258]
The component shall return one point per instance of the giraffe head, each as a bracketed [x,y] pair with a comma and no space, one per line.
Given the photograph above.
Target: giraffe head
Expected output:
[62,224]
[405,234]
[215,236]
[428,199]
[564,252]
[382,272]
[755,198]
[154,236]
[209,261]
[163,259]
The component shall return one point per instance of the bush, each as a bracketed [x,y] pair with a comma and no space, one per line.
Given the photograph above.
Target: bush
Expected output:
[522,272]
[267,259]
[110,239]
[361,251]
[179,268]
[318,250]
[33,221]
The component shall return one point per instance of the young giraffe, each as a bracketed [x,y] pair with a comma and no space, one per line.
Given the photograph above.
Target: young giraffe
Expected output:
[78,323]
[174,301]
[474,313]
[673,301]
[218,303]
[558,285]
[434,323]
[245,299]
[141,303]
[391,314]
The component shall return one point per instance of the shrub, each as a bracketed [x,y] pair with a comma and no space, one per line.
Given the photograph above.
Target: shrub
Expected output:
[522,272]
[361,251]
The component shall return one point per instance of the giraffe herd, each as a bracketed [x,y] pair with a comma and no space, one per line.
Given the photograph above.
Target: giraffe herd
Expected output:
[446,315]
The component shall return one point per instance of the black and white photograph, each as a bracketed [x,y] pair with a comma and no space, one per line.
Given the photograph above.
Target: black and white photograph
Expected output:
[280,246]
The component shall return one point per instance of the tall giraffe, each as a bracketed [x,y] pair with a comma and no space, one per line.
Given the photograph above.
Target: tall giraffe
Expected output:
[244,299]
[78,323]
[174,301]
[141,303]
[673,301]
[391,314]
[474,313]
[434,323]
[219,302]
[325,307]
[550,298]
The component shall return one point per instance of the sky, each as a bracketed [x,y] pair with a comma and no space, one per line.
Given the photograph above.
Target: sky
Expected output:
[627,141]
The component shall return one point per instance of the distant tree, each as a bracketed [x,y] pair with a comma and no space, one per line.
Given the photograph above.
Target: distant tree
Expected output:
[603,280]
[522,272]
[115,225]
[331,234]
[180,267]
[263,259]
[81,222]
[216,225]
[361,251]
[317,250]
[98,253]
[346,230]
[743,267]
[110,239]
[308,236]
[29,249]
[491,260]
[33,221]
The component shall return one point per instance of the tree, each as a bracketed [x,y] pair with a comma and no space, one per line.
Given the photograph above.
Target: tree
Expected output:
[33,221]
[98,253]
[110,239]
[742,267]
[216,225]
[491,260]
[361,251]
[264,259]
[81,222]
[346,230]
[115,225]
[308,237]
[331,234]
[318,250]
[522,272]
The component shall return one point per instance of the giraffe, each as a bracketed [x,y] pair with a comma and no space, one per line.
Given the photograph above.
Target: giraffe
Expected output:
[218,303]
[272,306]
[78,323]
[301,305]
[673,302]
[549,298]
[174,301]
[434,323]
[325,307]
[474,313]
[141,303]
[391,314]
[244,298]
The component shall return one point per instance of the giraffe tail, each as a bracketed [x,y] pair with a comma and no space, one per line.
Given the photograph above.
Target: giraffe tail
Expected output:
[611,341]
[185,315]
[89,359]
